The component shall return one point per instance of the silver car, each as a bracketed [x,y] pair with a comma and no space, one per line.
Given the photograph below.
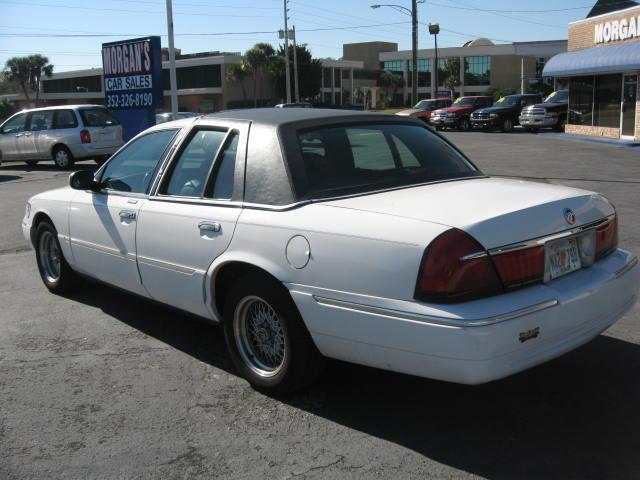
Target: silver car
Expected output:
[63,134]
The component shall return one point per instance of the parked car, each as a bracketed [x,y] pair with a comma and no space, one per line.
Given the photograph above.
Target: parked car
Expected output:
[424,108]
[294,105]
[312,233]
[459,113]
[552,113]
[503,114]
[168,116]
[63,134]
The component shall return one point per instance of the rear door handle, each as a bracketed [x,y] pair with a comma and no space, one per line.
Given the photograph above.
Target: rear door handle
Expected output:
[127,215]
[209,227]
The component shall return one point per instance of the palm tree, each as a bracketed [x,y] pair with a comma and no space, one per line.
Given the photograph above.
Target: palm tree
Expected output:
[238,72]
[276,67]
[27,72]
[39,66]
[257,58]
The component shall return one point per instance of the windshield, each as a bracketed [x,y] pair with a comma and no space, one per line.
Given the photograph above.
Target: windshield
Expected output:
[508,101]
[368,157]
[425,105]
[561,96]
[464,102]
[98,117]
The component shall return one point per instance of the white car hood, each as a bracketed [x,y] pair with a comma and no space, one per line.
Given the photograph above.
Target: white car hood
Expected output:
[495,211]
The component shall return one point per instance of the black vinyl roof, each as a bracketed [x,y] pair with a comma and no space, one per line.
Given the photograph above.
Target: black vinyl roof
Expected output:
[281,116]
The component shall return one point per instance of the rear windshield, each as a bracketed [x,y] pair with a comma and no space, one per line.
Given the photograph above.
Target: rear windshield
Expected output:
[363,158]
[97,117]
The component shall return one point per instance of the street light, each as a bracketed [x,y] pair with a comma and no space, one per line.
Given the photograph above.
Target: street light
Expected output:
[414,41]
[434,29]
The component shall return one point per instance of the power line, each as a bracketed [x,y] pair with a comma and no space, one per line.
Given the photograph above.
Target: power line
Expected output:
[208,5]
[488,10]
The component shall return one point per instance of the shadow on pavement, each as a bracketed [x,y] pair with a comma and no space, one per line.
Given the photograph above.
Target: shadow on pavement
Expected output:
[8,178]
[573,418]
[45,167]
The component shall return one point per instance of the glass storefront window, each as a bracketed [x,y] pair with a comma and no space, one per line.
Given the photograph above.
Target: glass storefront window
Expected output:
[608,94]
[394,66]
[477,70]
[448,67]
[581,100]
[424,72]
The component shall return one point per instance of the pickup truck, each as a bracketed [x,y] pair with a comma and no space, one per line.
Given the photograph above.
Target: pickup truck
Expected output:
[424,108]
[458,114]
[504,113]
[552,113]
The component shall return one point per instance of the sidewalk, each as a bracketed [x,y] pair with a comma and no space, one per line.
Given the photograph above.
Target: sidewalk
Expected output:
[584,138]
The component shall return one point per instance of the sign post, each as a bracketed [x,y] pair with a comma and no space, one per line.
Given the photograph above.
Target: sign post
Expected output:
[133,86]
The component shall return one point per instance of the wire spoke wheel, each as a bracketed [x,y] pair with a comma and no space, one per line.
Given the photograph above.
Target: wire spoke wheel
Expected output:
[50,257]
[260,336]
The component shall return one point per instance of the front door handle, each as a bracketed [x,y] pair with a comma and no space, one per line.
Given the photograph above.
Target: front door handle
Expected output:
[127,215]
[209,227]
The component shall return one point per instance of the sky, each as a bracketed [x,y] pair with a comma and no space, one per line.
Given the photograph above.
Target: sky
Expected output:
[44,26]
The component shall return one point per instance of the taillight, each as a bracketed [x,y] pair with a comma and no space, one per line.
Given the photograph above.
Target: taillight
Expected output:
[85,136]
[521,267]
[607,238]
[455,267]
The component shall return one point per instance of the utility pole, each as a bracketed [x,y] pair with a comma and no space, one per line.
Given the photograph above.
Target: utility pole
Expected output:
[295,66]
[414,52]
[172,60]
[286,50]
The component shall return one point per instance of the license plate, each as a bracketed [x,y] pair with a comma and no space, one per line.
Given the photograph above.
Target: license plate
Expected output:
[563,257]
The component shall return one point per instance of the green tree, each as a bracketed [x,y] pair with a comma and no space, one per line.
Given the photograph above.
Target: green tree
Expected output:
[27,72]
[309,72]
[6,109]
[391,82]
[450,71]
[257,59]
[238,73]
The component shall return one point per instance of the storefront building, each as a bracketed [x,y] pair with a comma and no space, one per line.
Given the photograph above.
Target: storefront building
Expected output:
[602,66]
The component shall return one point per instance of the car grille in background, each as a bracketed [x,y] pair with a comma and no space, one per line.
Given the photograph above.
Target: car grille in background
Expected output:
[535,111]
[480,116]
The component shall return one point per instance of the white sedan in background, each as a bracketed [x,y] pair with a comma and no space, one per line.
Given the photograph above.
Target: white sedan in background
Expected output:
[368,238]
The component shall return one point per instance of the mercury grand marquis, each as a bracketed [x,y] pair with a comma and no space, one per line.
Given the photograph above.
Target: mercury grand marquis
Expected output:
[363,237]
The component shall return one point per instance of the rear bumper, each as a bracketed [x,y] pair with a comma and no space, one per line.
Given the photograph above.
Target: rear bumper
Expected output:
[477,341]
[89,150]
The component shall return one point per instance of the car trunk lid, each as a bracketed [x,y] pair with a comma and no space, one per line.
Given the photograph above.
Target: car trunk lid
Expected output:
[495,211]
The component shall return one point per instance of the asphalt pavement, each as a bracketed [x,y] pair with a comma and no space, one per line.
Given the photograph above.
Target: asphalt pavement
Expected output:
[101,384]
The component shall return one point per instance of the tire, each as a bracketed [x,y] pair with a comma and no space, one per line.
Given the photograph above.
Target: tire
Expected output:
[562,122]
[63,158]
[258,301]
[55,272]
[507,125]
[31,163]
[439,129]
[463,125]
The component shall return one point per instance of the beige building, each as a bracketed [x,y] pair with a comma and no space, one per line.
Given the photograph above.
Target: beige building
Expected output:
[601,68]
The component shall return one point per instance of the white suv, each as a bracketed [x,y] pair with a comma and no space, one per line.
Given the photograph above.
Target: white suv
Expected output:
[63,134]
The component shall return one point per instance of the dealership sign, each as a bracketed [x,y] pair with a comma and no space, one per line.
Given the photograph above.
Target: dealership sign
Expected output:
[133,74]
[617,30]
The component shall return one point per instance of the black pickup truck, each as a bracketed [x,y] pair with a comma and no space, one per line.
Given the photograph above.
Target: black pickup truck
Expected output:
[552,113]
[505,113]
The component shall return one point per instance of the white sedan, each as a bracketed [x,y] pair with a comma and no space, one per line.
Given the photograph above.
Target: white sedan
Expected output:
[315,233]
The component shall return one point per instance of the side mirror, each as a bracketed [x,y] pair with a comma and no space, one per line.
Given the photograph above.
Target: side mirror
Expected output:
[83,180]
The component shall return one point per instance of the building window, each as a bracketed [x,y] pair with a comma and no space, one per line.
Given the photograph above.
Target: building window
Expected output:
[73,85]
[203,76]
[424,72]
[394,66]
[336,78]
[477,70]
[581,101]
[448,67]
[608,95]
[595,101]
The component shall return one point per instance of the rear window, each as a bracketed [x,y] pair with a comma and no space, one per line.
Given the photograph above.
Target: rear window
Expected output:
[362,158]
[97,117]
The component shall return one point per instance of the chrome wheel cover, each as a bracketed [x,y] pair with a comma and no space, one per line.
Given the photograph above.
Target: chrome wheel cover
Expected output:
[62,158]
[50,257]
[260,336]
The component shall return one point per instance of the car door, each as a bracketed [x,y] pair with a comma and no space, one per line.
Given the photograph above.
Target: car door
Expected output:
[102,224]
[39,125]
[10,134]
[190,219]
